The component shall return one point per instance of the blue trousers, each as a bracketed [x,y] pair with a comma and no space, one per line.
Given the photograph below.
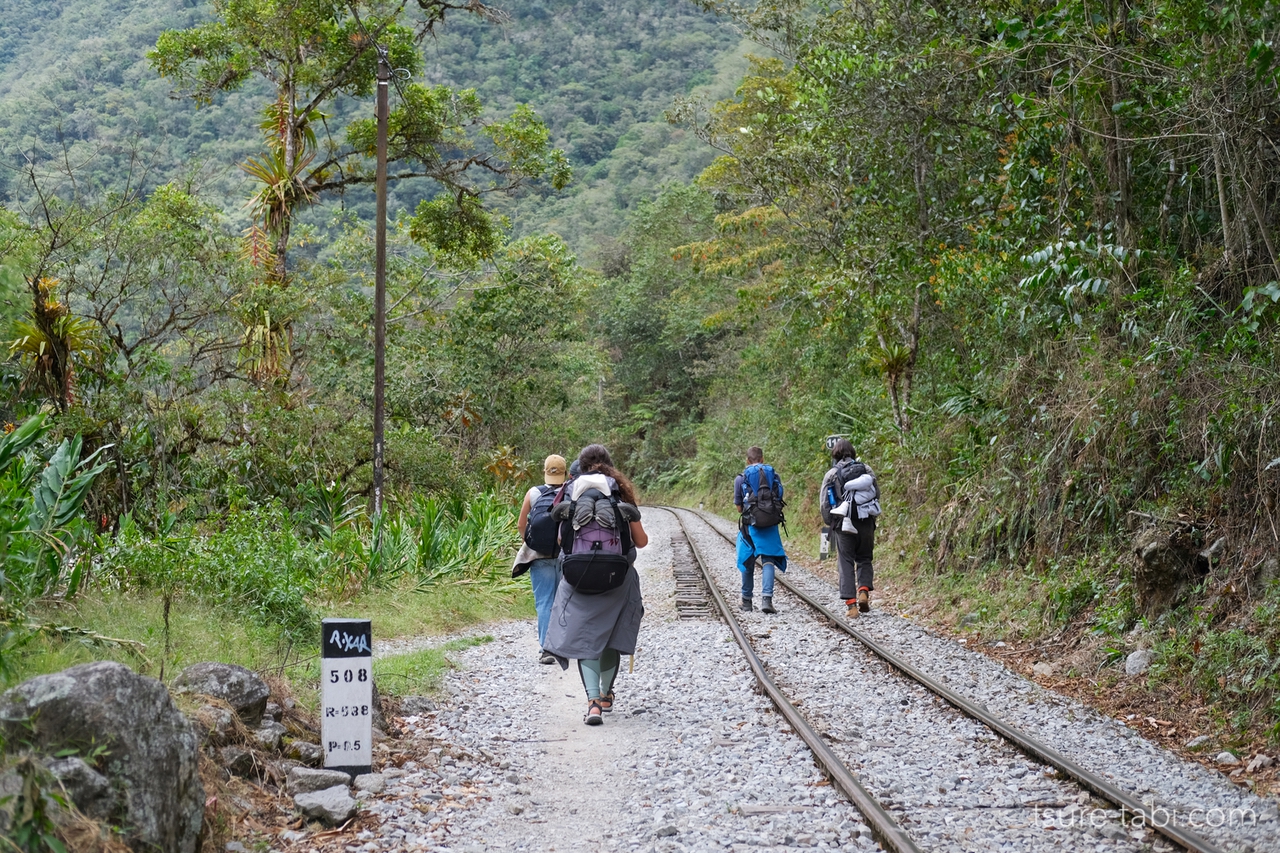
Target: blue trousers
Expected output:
[545,577]
[766,578]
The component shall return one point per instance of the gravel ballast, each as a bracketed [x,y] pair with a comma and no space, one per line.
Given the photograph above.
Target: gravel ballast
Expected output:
[693,758]
[1200,800]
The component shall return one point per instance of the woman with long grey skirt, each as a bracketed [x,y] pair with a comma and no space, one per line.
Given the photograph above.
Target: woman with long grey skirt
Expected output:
[596,630]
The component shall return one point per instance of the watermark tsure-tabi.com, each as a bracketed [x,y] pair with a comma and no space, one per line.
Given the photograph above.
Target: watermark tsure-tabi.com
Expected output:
[1151,816]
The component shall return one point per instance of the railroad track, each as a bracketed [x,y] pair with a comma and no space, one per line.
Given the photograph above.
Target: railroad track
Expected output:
[834,756]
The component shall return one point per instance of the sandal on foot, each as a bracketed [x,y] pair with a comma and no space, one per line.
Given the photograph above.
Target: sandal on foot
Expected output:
[606,702]
[594,711]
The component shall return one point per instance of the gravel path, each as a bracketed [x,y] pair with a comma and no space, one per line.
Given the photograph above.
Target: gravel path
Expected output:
[694,759]
[691,759]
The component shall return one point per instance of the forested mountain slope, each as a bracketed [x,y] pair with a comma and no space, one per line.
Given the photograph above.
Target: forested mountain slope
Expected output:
[75,83]
[1024,254]
[601,75]
[74,78]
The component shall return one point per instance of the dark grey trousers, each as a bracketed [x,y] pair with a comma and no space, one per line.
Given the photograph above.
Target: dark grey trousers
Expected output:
[853,553]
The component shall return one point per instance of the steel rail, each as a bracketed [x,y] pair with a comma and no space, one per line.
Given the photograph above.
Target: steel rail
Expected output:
[1028,744]
[883,826]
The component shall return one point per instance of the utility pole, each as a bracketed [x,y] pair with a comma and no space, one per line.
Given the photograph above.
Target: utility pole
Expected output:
[380,285]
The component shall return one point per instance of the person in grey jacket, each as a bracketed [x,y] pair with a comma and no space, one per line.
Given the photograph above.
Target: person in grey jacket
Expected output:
[852,523]
[596,630]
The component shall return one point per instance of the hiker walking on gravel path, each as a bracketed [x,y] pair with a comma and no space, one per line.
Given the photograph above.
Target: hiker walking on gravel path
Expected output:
[850,502]
[757,493]
[596,615]
[539,554]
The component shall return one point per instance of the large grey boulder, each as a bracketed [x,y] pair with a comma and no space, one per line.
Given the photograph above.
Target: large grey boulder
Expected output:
[240,688]
[331,806]
[128,726]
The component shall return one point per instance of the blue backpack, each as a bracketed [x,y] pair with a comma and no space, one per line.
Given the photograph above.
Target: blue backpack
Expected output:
[762,497]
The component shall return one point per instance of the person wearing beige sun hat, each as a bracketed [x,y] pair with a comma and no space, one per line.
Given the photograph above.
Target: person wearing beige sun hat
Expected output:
[539,552]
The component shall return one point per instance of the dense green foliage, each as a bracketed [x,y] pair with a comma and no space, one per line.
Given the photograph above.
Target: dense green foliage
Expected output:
[1024,254]
[271,565]
[1064,331]
[41,523]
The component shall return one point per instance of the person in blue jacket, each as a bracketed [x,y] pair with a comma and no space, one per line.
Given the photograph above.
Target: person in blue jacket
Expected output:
[758,543]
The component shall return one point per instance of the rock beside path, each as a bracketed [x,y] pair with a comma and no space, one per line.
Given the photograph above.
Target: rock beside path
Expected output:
[331,806]
[240,688]
[135,737]
[305,780]
[374,783]
[269,735]
[310,754]
[412,706]
[1138,662]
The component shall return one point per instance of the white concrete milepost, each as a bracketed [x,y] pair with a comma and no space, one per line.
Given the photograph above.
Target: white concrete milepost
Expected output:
[346,694]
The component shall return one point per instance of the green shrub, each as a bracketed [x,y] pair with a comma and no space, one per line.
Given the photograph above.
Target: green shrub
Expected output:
[41,526]
[461,540]
[1234,663]
[250,562]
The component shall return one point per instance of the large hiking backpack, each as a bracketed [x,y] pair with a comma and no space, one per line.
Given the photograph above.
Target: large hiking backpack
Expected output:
[542,532]
[855,482]
[595,536]
[761,504]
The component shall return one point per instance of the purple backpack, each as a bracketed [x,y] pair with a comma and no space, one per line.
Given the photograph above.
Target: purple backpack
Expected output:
[595,537]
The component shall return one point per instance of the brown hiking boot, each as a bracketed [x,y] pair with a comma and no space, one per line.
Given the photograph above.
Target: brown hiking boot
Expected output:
[864,601]
[852,611]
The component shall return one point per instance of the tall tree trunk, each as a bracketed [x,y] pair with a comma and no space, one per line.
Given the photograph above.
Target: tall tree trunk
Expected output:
[290,129]
[1229,240]
[1117,149]
[1166,204]
[1264,230]
[909,373]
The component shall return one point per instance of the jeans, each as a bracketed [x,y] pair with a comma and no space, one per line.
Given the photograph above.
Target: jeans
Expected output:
[766,579]
[545,576]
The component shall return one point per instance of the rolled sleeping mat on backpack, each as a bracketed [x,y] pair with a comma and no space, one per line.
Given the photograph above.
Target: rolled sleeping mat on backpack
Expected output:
[601,509]
[865,482]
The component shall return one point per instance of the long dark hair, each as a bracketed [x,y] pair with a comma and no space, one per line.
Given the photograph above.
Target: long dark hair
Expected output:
[595,459]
